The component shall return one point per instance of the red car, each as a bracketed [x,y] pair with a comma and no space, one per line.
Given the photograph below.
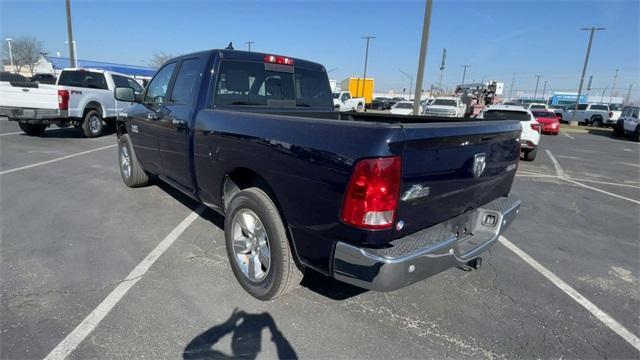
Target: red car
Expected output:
[549,124]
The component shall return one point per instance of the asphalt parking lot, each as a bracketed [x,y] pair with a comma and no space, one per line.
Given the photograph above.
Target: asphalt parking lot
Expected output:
[72,233]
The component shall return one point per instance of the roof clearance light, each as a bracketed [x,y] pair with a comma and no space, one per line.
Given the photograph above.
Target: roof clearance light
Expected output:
[278,60]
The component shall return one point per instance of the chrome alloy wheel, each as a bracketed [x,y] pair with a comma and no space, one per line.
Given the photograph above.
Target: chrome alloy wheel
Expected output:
[125,161]
[250,245]
[94,124]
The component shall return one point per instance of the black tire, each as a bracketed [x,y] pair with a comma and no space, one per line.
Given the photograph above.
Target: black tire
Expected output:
[530,155]
[596,121]
[636,134]
[283,275]
[617,130]
[92,124]
[32,129]
[136,175]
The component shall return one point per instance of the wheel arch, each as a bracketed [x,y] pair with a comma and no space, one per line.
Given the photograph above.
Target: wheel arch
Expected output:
[241,178]
[94,105]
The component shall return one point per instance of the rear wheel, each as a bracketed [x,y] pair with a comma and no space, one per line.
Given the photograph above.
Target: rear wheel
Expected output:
[92,124]
[596,121]
[258,247]
[359,108]
[530,155]
[131,171]
[32,129]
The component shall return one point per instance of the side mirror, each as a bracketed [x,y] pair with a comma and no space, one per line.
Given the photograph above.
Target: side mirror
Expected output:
[125,94]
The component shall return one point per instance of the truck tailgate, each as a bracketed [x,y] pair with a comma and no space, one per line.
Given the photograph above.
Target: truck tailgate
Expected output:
[42,97]
[438,161]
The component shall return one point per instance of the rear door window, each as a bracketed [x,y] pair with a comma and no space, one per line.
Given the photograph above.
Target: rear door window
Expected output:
[506,115]
[246,83]
[187,79]
[84,79]
[123,81]
[599,107]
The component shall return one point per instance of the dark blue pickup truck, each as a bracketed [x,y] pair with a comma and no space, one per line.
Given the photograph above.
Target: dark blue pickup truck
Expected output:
[375,200]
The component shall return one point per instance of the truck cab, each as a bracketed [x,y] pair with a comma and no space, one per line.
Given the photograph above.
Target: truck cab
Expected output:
[450,106]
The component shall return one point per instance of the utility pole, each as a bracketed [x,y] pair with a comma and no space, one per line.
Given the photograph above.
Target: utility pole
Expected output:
[9,40]
[442,67]
[535,93]
[330,70]
[72,50]
[423,55]
[411,83]
[603,91]
[613,87]
[464,72]
[366,58]
[75,51]
[628,94]
[584,70]
[544,89]
[249,44]
[513,83]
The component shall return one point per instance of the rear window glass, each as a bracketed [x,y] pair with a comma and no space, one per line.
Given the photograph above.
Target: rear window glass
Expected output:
[538,107]
[544,114]
[506,115]
[599,107]
[250,83]
[582,107]
[85,79]
[445,102]
[404,106]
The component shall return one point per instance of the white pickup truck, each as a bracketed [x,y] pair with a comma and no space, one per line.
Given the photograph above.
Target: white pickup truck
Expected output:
[342,101]
[588,114]
[446,106]
[82,97]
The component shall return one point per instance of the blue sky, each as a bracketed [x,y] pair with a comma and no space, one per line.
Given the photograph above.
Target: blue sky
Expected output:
[497,38]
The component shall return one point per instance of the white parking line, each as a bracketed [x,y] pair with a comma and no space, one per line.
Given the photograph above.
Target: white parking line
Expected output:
[13,133]
[606,183]
[556,164]
[89,323]
[54,160]
[562,176]
[567,135]
[610,322]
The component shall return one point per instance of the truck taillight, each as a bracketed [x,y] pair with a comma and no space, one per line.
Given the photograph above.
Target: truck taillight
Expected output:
[536,127]
[63,99]
[278,60]
[610,114]
[372,193]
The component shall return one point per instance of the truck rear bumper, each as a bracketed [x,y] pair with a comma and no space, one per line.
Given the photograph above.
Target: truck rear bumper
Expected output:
[427,252]
[20,114]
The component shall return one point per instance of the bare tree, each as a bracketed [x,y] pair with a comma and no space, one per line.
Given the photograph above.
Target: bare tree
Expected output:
[25,50]
[159,58]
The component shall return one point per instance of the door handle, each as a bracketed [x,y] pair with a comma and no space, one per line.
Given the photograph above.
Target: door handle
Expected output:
[152,116]
[178,122]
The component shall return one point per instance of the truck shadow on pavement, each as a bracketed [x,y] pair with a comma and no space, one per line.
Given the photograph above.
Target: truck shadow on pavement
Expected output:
[246,338]
[72,133]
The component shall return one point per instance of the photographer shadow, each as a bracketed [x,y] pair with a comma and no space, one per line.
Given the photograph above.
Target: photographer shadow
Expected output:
[246,332]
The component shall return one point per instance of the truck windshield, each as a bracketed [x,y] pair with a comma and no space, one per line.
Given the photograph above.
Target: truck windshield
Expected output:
[506,115]
[445,102]
[245,83]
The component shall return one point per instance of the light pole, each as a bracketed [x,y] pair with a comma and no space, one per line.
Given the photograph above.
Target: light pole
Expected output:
[628,94]
[249,44]
[410,84]
[535,93]
[513,82]
[74,62]
[366,59]
[592,29]
[603,91]
[423,55]
[330,70]
[464,72]
[72,50]
[613,87]
[9,40]
[544,89]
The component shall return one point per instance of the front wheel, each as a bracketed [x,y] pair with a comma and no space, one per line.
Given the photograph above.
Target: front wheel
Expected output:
[32,129]
[131,171]
[258,247]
